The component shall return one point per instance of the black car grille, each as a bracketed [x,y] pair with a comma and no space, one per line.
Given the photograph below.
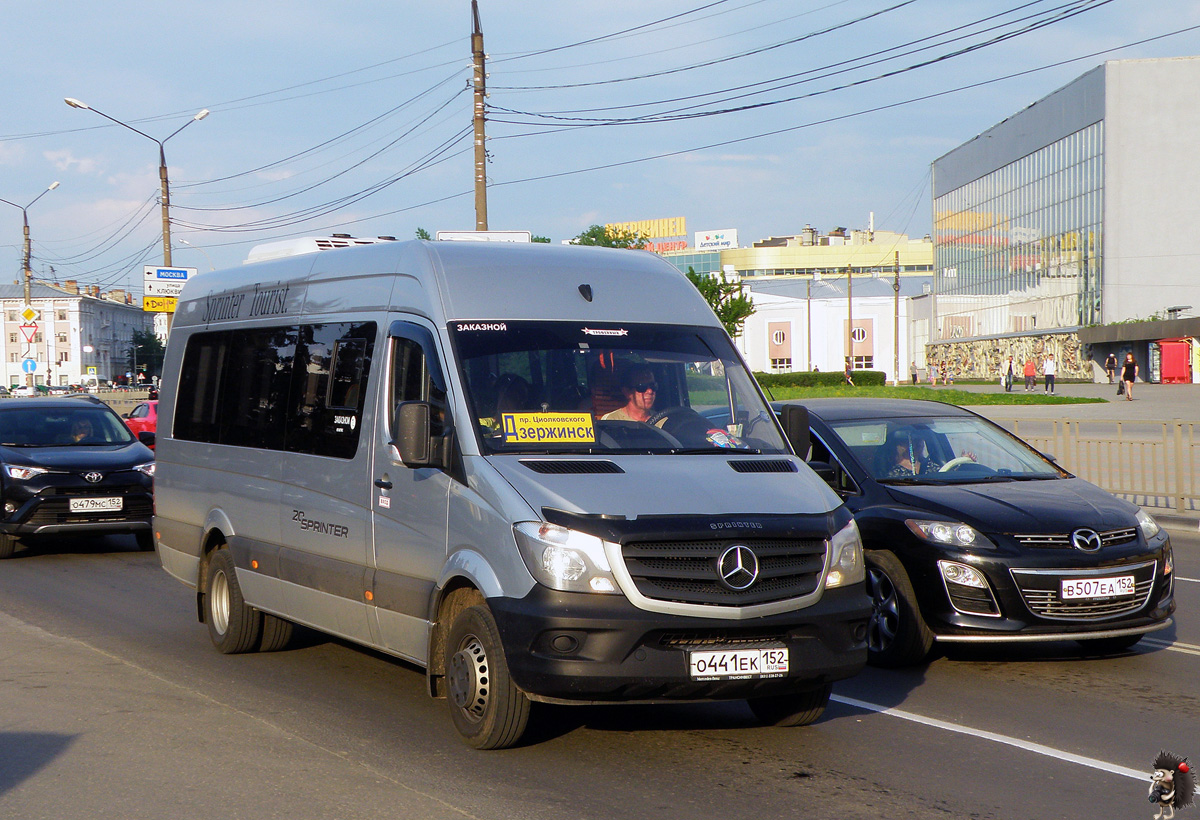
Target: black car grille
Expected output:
[1111,538]
[1041,592]
[686,571]
[54,506]
[972,600]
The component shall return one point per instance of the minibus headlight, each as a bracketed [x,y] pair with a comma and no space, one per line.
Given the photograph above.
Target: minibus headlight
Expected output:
[564,559]
[1147,524]
[846,558]
[23,473]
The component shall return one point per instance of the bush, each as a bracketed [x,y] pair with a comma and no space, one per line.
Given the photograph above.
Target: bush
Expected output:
[862,378]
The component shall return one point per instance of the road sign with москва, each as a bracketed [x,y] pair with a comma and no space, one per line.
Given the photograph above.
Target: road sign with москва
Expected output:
[165,281]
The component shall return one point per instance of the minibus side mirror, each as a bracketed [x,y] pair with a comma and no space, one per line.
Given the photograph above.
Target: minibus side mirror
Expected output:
[794,418]
[413,439]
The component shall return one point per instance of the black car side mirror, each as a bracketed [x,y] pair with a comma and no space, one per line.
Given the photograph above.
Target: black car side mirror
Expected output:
[825,471]
[147,438]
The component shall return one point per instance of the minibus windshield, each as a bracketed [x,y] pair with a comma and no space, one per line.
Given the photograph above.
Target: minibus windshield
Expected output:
[597,387]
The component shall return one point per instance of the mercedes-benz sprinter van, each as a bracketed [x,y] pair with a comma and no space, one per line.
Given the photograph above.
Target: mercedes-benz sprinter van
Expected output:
[542,473]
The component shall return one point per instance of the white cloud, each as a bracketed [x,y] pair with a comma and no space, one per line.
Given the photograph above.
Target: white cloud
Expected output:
[11,154]
[65,159]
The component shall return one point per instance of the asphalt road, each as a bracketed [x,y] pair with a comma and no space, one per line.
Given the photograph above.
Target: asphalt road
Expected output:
[113,703]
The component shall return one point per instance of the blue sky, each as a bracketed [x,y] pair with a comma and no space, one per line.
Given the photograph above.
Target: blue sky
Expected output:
[352,117]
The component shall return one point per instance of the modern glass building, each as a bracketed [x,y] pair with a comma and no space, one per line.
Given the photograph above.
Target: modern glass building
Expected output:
[1080,210]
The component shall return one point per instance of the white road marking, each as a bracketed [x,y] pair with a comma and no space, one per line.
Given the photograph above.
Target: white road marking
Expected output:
[1174,646]
[1190,580]
[1026,745]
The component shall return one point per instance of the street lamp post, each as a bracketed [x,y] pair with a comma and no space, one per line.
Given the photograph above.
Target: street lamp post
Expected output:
[162,167]
[27,252]
[198,248]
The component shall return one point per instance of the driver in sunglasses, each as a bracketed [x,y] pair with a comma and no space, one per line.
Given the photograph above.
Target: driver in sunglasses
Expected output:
[640,389]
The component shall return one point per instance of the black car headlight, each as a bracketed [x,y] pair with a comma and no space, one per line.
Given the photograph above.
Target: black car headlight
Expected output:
[23,473]
[949,533]
[565,559]
[146,469]
[1147,524]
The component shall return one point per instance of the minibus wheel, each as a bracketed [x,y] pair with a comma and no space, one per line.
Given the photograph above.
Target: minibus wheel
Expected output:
[233,625]
[799,709]
[488,710]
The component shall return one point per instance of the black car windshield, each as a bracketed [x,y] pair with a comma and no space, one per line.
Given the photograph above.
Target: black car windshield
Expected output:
[596,387]
[60,426]
[962,449]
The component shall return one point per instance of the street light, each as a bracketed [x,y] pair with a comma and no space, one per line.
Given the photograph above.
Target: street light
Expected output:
[28,248]
[162,167]
[198,248]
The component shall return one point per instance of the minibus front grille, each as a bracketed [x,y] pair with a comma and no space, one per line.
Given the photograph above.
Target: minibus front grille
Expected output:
[688,571]
[573,467]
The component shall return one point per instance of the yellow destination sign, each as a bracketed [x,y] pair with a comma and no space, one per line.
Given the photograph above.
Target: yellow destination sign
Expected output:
[159,304]
[549,428]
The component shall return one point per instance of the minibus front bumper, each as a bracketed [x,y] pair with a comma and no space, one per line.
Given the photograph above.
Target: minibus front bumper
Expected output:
[574,647]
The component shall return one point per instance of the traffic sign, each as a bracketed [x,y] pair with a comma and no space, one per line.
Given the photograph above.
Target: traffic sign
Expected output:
[29,332]
[29,366]
[159,304]
[30,314]
[165,281]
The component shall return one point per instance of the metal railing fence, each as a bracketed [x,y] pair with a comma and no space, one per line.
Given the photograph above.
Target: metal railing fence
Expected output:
[1152,463]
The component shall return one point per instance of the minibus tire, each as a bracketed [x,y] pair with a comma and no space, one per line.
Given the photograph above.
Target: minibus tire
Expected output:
[488,710]
[233,625]
[276,633]
[799,709]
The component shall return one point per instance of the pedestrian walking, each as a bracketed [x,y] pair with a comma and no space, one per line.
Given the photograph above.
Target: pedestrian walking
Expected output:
[846,374]
[1129,374]
[912,371]
[1110,367]
[1009,375]
[1049,371]
[933,374]
[1030,375]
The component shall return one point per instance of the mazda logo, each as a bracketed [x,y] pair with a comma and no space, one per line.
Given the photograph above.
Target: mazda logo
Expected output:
[1086,540]
[738,567]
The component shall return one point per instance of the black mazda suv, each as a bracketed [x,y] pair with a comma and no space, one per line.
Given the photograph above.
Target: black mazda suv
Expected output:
[69,465]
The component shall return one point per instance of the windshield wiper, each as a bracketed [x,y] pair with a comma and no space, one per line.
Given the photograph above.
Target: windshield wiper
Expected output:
[701,451]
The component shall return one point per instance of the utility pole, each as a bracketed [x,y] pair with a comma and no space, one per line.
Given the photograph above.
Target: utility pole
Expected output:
[480,85]
[896,322]
[849,317]
[808,313]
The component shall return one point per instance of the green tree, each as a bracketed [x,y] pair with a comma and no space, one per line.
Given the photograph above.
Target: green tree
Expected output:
[607,238]
[726,299]
[423,234]
[145,354]
[536,238]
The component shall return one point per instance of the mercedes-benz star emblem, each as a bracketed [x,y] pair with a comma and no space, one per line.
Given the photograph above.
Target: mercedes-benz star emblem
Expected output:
[738,567]
[93,476]
[1086,540]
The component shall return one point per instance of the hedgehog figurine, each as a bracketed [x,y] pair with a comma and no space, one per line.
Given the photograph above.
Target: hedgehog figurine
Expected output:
[1172,785]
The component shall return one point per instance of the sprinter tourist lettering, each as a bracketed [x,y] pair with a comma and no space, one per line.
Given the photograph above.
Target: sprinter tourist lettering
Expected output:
[263,302]
[548,428]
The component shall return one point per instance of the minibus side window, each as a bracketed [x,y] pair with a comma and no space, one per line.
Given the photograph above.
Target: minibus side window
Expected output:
[332,363]
[411,381]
